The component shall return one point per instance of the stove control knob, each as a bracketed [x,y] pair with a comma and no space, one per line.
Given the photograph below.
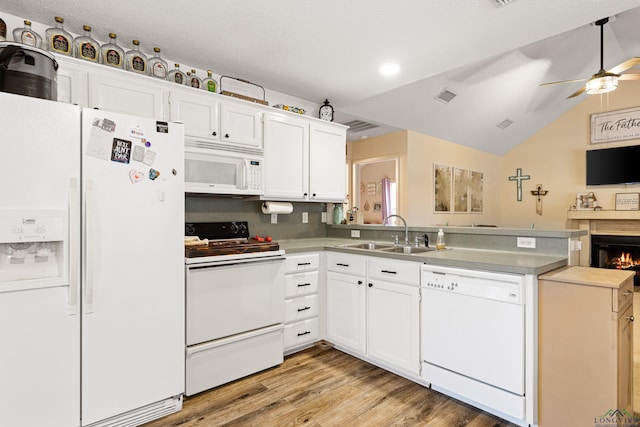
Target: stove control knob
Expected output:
[234,228]
[243,228]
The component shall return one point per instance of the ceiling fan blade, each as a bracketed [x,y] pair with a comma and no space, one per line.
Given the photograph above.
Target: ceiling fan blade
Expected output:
[578,92]
[629,63]
[563,81]
[630,76]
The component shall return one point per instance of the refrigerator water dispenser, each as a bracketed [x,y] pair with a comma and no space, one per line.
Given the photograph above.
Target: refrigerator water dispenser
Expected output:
[32,245]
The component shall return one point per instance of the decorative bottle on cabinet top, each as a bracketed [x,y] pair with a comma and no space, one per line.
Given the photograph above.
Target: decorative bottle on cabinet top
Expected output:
[58,39]
[26,35]
[194,81]
[136,61]
[177,76]
[157,66]
[209,84]
[85,47]
[112,54]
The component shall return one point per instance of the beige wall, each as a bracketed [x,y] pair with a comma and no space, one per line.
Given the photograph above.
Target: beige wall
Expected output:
[555,157]
[423,151]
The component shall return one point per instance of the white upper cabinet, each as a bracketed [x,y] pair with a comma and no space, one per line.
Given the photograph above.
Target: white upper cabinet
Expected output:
[241,124]
[304,160]
[198,111]
[128,94]
[327,153]
[286,156]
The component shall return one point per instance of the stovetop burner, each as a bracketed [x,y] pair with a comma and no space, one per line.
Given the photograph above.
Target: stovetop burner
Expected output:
[225,238]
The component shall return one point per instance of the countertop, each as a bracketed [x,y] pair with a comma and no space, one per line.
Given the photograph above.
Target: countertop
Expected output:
[603,277]
[475,259]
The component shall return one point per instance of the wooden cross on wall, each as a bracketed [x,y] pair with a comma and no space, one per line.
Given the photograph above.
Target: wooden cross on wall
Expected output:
[519,177]
[540,193]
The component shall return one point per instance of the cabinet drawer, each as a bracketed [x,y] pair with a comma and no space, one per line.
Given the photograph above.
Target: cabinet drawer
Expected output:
[623,296]
[394,271]
[300,308]
[301,284]
[346,263]
[304,262]
[300,333]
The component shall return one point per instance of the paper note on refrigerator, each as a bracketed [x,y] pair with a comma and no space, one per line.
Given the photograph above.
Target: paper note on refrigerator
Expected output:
[100,140]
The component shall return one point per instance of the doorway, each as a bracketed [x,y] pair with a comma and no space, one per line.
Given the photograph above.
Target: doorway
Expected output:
[375,188]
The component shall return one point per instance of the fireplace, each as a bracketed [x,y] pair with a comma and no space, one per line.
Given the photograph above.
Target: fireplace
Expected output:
[616,252]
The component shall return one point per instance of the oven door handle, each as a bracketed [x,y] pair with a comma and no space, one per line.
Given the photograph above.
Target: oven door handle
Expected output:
[209,265]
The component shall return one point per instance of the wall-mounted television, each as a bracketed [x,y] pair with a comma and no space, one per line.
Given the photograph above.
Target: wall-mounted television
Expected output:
[610,166]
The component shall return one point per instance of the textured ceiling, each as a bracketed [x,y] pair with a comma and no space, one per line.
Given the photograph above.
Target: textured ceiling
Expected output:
[493,57]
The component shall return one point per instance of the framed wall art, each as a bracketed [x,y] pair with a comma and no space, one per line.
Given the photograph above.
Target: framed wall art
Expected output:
[460,190]
[442,188]
[475,192]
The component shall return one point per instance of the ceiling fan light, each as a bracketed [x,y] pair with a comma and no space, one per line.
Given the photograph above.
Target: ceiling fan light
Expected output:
[602,84]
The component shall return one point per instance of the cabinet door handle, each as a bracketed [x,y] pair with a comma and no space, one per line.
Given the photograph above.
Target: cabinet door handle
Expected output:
[388,272]
[371,285]
[304,263]
[214,133]
[226,135]
[303,284]
[306,194]
[626,293]
[359,282]
[339,264]
[304,308]
[630,318]
[304,333]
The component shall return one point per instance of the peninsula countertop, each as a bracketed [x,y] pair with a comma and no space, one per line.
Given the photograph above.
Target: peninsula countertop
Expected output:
[474,259]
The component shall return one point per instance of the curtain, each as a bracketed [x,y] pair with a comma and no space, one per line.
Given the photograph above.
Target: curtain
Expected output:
[386,197]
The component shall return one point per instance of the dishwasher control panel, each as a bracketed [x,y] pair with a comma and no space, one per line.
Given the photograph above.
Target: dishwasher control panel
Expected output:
[480,284]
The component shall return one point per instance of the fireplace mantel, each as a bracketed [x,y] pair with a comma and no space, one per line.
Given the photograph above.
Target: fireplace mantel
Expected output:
[604,215]
[603,222]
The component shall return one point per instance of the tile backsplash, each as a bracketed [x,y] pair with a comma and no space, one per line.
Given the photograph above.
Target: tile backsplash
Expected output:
[217,208]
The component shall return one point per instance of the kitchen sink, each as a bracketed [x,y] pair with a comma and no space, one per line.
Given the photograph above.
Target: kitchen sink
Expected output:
[407,249]
[371,246]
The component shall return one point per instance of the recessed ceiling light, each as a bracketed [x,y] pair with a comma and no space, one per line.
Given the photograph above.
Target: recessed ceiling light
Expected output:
[389,69]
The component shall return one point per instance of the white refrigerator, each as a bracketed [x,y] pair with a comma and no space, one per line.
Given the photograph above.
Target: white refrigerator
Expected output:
[91,266]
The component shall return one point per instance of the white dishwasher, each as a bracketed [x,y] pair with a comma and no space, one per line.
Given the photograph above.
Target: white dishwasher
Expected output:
[473,336]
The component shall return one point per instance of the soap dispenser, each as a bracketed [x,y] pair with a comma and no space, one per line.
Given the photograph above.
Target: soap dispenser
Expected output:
[440,240]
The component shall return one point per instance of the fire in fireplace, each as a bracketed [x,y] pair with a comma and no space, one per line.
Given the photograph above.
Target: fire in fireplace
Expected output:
[619,252]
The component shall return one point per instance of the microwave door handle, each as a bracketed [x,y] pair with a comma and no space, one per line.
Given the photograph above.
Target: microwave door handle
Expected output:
[245,173]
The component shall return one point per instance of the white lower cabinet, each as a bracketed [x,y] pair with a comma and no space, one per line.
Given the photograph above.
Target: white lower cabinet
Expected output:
[346,311]
[393,324]
[373,308]
[302,304]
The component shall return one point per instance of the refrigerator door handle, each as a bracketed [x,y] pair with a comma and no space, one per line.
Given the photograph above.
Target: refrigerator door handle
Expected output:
[89,198]
[74,245]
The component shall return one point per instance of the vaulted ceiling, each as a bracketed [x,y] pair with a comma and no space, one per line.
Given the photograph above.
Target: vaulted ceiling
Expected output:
[492,56]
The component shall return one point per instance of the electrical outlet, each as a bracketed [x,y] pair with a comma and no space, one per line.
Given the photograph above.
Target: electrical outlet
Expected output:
[526,242]
[355,233]
[274,218]
[305,217]
[323,218]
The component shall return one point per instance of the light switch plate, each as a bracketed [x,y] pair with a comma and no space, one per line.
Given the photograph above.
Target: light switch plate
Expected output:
[355,233]
[305,217]
[274,218]
[323,218]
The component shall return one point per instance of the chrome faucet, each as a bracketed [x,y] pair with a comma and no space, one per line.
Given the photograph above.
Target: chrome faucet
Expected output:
[406,229]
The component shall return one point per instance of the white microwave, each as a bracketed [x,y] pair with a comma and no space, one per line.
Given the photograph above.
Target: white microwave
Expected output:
[222,172]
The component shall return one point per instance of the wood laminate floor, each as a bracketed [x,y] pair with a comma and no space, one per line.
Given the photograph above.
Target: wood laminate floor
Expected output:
[322,386]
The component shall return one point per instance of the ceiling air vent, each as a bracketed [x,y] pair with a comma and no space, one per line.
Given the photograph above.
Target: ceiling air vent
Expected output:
[446,96]
[505,123]
[359,125]
[503,2]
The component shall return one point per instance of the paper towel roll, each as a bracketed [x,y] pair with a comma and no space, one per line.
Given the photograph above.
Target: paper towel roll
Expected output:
[277,207]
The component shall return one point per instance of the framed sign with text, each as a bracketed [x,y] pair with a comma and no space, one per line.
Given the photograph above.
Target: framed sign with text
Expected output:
[627,201]
[615,125]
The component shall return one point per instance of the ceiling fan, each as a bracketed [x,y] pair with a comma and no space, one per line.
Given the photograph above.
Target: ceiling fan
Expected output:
[604,81]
